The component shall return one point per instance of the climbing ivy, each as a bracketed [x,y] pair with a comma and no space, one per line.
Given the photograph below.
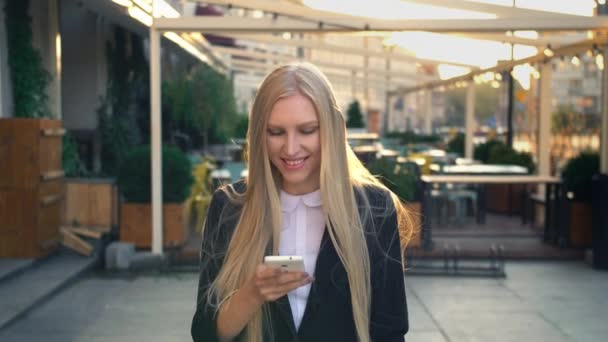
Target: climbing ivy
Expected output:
[28,77]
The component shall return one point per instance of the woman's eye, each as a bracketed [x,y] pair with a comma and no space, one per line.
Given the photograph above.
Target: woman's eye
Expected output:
[309,130]
[274,132]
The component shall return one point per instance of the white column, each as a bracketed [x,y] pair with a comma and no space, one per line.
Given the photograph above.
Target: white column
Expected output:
[469,121]
[428,111]
[544,122]
[156,141]
[604,127]
[366,80]
[54,52]
[386,123]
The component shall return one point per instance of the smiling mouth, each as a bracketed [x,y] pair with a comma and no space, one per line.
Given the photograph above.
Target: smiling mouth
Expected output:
[294,163]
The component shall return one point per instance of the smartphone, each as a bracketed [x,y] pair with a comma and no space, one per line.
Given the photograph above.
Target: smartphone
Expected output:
[289,263]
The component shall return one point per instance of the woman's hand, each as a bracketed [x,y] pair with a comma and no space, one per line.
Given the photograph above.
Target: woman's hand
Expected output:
[270,283]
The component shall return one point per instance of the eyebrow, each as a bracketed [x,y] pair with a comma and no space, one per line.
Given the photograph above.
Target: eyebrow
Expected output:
[308,123]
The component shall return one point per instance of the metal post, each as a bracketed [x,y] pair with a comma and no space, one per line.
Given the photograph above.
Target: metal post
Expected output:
[469,121]
[156,140]
[387,99]
[544,123]
[604,118]
[510,99]
[428,111]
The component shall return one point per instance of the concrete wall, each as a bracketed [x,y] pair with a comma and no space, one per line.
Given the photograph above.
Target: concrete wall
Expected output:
[6,95]
[84,64]
[45,29]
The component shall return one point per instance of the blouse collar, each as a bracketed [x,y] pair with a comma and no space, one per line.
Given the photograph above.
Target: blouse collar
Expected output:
[290,202]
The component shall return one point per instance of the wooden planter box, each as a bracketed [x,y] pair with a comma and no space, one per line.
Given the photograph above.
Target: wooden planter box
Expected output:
[91,202]
[136,224]
[580,222]
[504,198]
[31,186]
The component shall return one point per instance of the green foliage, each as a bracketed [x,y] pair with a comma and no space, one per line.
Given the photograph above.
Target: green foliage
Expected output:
[456,144]
[72,164]
[399,180]
[578,172]
[134,176]
[240,131]
[124,109]
[486,102]
[354,116]
[502,154]
[28,77]
[200,194]
[482,151]
[410,137]
[566,120]
[497,152]
[214,105]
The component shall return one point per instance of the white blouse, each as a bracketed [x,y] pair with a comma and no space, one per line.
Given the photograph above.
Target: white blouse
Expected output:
[301,232]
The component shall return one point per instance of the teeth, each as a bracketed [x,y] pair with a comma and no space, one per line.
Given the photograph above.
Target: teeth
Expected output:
[294,162]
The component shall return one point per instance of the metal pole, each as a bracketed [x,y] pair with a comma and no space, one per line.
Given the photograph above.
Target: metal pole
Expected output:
[510,90]
[604,118]
[156,140]
[469,121]
[544,124]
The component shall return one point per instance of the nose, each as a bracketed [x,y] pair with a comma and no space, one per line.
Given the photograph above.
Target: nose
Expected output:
[292,145]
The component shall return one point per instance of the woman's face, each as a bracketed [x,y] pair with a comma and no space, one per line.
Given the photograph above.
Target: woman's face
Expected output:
[294,144]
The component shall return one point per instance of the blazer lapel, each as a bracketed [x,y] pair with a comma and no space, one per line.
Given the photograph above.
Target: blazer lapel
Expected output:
[322,279]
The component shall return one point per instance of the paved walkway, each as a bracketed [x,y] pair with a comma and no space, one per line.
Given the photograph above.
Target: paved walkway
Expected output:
[538,301]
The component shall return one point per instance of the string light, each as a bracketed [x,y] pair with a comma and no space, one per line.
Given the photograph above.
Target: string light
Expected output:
[599,61]
[548,52]
[575,60]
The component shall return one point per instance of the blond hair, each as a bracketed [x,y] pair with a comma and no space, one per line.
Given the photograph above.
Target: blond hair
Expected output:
[260,218]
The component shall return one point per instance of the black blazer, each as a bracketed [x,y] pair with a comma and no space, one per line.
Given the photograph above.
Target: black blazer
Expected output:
[328,314]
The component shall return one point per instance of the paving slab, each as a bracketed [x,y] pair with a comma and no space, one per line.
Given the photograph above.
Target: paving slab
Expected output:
[538,301]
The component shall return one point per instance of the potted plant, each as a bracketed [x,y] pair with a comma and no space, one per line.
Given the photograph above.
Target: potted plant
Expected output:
[498,153]
[31,175]
[577,176]
[403,182]
[134,183]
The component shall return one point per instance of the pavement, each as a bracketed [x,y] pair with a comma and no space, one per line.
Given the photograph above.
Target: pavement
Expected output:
[537,301]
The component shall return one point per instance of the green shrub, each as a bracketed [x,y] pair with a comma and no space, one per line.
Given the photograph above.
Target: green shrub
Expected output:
[504,155]
[456,144]
[73,166]
[410,137]
[578,172]
[354,116]
[134,176]
[399,180]
[482,151]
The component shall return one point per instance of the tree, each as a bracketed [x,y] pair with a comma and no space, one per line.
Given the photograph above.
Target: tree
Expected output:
[355,118]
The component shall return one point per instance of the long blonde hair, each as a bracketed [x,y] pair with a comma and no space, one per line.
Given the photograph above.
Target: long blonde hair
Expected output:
[260,219]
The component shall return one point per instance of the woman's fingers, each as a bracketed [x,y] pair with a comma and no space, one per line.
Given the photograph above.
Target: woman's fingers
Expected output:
[274,293]
[273,283]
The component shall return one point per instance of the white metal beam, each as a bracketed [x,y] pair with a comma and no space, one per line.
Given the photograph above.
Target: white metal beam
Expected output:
[498,10]
[289,58]
[282,24]
[288,8]
[540,57]
[396,54]
[266,67]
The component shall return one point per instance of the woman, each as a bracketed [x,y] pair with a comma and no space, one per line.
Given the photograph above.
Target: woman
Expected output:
[306,194]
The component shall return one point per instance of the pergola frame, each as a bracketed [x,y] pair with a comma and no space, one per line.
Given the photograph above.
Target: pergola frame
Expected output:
[314,21]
